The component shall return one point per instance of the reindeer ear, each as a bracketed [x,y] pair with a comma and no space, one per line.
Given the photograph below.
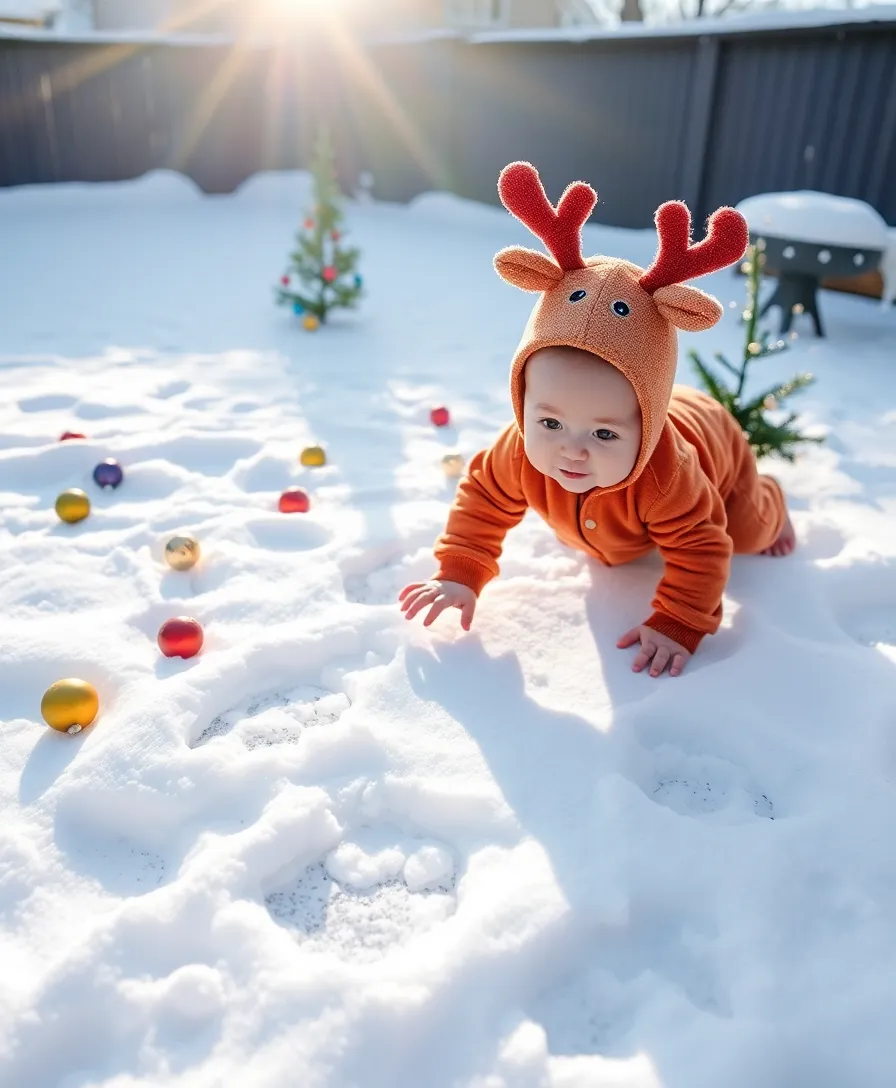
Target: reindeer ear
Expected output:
[527,269]
[687,307]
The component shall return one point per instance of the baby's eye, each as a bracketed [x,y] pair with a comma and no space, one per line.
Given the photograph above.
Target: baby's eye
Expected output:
[550,424]
[604,435]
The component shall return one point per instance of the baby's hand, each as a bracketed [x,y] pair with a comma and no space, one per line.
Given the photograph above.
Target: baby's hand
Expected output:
[660,648]
[440,595]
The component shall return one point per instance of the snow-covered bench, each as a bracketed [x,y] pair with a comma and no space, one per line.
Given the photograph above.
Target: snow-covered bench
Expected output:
[809,236]
[888,269]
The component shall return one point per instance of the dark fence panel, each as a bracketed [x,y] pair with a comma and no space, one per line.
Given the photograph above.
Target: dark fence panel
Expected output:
[611,113]
[709,119]
[806,112]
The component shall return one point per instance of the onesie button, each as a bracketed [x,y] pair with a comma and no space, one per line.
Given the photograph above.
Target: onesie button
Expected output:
[589,524]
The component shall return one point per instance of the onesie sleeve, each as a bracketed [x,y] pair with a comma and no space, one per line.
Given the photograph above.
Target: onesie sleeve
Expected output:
[489,502]
[686,521]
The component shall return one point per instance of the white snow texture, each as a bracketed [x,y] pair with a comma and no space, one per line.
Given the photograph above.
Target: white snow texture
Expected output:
[338,850]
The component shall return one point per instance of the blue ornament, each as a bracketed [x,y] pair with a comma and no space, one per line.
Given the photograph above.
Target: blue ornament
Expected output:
[298,308]
[358,281]
[108,473]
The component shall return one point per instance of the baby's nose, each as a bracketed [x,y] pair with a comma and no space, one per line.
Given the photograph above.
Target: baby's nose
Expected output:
[575,450]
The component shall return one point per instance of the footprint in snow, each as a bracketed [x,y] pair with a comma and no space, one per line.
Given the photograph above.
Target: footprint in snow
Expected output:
[862,596]
[369,896]
[277,718]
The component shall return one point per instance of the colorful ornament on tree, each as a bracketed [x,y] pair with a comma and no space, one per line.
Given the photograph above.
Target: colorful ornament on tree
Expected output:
[108,473]
[358,281]
[313,456]
[68,435]
[69,705]
[453,465]
[73,505]
[294,501]
[440,417]
[321,275]
[180,637]
[182,553]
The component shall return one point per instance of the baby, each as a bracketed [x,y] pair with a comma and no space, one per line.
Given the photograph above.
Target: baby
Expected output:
[614,456]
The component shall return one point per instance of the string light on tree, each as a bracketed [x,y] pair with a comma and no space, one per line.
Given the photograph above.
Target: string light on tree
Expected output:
[763,435]
[322,275]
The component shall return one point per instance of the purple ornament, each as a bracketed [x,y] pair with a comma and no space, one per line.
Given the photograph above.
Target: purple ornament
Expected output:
[108,473]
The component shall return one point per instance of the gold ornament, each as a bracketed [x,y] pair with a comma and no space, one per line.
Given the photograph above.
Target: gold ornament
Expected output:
[73,505]
[313,457]
[69,705]
[310,322]
[453,465]
[182,552]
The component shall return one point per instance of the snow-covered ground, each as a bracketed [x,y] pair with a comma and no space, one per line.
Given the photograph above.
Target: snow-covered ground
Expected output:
[336,849]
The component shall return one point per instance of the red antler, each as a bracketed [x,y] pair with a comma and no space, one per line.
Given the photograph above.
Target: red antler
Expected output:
[523,195]
[677,260]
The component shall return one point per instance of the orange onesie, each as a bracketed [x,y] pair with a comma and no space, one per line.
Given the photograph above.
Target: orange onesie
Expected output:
[694,491]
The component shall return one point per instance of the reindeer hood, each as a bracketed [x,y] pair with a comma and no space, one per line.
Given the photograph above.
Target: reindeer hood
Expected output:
[625,314]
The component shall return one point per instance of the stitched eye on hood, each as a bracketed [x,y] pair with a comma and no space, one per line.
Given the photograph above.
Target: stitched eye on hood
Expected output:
[620,308]
[577,296]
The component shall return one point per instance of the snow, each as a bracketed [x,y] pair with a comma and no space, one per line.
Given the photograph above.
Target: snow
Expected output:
[807,216]
[749,22]
[27,9]
[336,848]
[815,16]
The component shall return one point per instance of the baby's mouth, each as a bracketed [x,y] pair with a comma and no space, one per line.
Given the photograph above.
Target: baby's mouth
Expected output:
[573,475]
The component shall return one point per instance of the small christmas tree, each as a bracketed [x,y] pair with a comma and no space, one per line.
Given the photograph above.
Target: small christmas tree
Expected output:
[322,274]
[763,435]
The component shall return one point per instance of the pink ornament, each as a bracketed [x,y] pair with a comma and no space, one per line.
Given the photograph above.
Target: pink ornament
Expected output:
[440,417]
[285,281]
[329,273]
[335,235]
[309,224]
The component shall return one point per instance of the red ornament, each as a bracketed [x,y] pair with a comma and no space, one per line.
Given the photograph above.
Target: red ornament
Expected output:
[180,637]
[329,273]
[335,235]
[440,417]
[309,224]
[285,281]
[71,434]
[294,501]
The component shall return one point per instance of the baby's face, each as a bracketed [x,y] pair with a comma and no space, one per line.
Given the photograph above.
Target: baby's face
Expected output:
[581,417]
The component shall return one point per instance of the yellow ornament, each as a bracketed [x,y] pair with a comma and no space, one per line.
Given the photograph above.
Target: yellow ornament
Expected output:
[310,322]
[70,705]
[453,465]
[182,552]
[313,457]
[73,505]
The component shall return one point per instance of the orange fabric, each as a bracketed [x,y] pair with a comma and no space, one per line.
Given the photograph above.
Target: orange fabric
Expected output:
[701,473]
[693,458]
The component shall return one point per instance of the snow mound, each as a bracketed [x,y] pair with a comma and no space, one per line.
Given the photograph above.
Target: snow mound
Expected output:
[807,216]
